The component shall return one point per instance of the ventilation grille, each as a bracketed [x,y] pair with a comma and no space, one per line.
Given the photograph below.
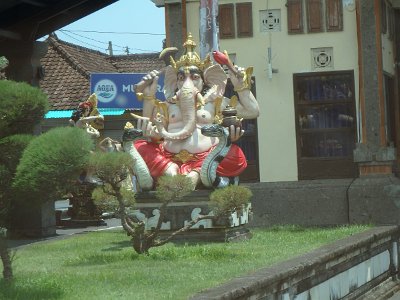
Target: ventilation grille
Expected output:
[270,20]
[322,58]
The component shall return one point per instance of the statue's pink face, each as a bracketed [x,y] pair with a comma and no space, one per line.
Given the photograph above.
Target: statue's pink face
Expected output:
[195,76]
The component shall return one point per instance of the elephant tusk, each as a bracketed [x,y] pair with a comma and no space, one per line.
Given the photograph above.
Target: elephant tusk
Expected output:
[137,117]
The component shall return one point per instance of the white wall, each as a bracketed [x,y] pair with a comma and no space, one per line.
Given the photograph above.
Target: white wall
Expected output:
[387,55]
[290,54]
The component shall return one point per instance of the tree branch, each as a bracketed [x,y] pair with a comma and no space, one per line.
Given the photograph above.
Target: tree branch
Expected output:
[163,209]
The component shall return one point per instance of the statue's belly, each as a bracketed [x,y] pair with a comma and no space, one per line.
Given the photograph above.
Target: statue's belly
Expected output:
[196,143]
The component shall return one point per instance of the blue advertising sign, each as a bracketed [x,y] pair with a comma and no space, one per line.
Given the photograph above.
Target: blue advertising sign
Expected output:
[115,90]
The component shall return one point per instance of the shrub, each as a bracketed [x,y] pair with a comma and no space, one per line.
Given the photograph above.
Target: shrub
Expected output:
[21,107]
[171,188]
[11,149]
[113,169]
[224,201]
[52,162]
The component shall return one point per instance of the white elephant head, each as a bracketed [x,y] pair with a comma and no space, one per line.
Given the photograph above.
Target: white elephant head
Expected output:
[190,79]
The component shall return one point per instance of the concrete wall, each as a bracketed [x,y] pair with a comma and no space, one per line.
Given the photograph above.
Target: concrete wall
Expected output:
[346,269]
[365,200]
[290,54]
[305,203]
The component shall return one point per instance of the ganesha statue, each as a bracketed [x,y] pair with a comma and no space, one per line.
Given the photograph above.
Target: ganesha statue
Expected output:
[184,134]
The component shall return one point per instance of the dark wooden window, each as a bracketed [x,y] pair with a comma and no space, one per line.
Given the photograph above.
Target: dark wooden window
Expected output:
[334,15]
[226,21]
[248,142]
[244,19]
[390,22]
[295,16]
[325,124]
[390,119]
[383,16]
[314,15]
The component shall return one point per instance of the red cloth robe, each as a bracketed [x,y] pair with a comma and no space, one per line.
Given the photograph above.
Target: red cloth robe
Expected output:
[158,160]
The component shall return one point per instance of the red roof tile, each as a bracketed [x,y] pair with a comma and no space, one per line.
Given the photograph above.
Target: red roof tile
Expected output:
[68,67]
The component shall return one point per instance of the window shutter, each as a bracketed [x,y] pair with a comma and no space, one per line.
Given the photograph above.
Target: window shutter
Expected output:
[244,18]
[383,17]
[226,21]
[314,15]
[391,29]
[295,16]
[334,15]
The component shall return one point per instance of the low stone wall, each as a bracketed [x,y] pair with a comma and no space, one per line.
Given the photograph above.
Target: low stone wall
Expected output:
[364,200]
[304,203]
[346,269]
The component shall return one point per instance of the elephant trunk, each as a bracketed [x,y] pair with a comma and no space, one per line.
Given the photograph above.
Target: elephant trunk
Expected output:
[187,103]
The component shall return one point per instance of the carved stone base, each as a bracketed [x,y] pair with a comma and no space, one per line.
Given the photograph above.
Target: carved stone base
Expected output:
[181,212]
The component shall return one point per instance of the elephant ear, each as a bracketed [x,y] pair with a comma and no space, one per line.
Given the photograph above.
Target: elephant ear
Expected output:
[215,78]
[170,82]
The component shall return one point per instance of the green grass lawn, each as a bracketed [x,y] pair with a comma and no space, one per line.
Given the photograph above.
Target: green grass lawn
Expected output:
[102,265]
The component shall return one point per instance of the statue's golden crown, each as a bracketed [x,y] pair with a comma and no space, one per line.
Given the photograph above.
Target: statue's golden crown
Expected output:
[191,58]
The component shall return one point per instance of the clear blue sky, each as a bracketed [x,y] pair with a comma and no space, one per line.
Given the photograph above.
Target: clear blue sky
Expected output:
[136,24]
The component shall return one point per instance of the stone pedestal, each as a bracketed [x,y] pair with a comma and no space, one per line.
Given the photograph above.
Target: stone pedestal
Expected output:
[180,212]
[32,220]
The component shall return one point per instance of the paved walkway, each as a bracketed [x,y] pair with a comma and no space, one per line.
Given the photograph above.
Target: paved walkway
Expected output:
[65,232]
[395,296]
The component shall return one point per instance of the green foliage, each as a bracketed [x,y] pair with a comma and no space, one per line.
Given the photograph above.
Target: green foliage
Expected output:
[170,188]
[3,62]
[11,149]
[5,177]
[21,107]
[51,162]
[106,200]
[111,167]
[226,200]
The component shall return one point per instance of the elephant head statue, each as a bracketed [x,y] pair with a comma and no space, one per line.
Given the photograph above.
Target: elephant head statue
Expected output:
[187,82]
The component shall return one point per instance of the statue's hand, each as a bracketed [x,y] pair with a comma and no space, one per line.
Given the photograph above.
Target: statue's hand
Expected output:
[147,128]
[152,78]
[242,80]
[235,133]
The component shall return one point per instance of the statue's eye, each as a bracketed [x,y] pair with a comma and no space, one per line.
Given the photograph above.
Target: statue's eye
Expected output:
[181,77]
[195,76]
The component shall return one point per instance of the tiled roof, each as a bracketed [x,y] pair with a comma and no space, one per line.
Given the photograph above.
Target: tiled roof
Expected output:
[67,69]
[137,63]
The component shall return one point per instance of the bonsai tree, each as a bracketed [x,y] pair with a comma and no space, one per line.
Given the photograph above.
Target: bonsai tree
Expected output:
[22,107]
[114,171]
[229,199]
[51,164]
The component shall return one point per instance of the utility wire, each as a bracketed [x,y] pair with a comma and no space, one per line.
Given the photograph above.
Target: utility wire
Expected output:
[101,42]
[120,32]
[123,48]
[80,41]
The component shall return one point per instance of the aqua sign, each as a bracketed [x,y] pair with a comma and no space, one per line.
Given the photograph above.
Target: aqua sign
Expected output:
[115,90]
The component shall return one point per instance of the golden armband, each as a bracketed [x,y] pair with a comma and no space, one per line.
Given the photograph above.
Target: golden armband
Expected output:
[246,80]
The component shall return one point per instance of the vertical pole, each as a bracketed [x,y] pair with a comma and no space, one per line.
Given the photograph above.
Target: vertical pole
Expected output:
[184,21]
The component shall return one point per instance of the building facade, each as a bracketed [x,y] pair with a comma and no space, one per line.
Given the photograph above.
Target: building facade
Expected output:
[318,67]
[326,74]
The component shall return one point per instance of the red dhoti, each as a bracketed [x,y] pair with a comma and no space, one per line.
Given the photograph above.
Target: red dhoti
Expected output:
[158,160]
